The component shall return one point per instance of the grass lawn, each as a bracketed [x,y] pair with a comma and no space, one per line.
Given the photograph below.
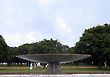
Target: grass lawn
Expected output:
[39,70]
[84,70]
[20,70]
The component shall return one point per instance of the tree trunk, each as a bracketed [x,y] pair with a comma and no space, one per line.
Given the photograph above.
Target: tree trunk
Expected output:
[100,62]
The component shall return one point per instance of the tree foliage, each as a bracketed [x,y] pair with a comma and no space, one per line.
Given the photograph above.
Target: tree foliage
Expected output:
[95,41]
[48,46]
[3,49]
[43,47]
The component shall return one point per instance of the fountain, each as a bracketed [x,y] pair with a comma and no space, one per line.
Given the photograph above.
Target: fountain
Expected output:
[53,60]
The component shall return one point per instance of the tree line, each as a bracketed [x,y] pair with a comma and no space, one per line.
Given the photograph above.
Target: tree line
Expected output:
[8,54]
[94,41]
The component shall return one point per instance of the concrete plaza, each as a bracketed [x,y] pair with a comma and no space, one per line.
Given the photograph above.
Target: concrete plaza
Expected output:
[59,75]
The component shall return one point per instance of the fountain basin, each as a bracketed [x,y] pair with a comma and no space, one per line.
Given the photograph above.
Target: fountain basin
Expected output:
[53,60]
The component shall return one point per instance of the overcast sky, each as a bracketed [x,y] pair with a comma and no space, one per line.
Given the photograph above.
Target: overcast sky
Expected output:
[27,21]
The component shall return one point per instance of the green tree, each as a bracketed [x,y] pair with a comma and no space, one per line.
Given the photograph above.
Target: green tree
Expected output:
[95,41]
[47,46]
[67,50]
[11,55]
[23,49]
[3,49]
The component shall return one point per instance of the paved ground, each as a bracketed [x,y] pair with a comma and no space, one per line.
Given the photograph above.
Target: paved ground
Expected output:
[64,75]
